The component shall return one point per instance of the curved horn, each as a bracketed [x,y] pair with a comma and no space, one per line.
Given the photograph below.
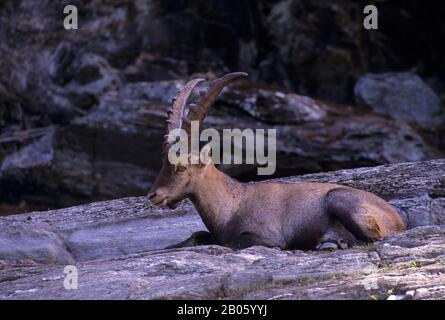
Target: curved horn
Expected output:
[176,113]
[199,112]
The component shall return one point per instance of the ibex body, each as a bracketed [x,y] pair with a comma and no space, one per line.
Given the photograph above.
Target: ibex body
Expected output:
[284,215]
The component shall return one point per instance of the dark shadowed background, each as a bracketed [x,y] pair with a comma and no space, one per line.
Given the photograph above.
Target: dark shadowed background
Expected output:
[82,111]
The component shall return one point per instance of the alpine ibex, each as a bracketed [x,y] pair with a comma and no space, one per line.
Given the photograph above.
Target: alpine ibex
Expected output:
[284,215]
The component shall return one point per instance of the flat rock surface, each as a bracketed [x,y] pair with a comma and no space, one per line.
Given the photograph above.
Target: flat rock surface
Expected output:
[410,266]
[117,247]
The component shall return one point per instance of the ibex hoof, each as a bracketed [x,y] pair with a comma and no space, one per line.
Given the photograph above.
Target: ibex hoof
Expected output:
[332,244]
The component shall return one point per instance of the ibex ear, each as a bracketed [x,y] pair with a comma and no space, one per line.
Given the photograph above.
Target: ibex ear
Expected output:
[205,155]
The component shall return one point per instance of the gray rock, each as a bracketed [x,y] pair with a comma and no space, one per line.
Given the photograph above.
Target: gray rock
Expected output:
[212,272]
[131,225]
[117,247]
[28,242]
[315,48]
[123,238]
[402,96]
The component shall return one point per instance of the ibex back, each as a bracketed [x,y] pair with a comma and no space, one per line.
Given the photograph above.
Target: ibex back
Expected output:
[284,215]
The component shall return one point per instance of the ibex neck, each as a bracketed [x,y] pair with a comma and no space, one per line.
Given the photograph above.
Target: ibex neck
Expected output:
[217,199]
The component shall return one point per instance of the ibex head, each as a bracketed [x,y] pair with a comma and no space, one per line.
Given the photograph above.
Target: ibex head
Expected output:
[177,182]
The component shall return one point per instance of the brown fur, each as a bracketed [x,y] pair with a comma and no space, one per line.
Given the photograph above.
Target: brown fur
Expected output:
[284,215]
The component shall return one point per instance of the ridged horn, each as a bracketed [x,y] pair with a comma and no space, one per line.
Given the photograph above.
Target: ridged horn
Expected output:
[199,112]
[176,113]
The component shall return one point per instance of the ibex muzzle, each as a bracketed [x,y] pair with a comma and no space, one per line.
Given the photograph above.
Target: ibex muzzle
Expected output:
[284,215]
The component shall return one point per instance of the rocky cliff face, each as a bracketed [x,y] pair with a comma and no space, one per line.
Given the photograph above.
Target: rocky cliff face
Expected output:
[312,47]
[117,247]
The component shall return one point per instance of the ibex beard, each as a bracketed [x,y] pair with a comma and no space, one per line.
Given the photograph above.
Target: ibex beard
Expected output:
[285,215]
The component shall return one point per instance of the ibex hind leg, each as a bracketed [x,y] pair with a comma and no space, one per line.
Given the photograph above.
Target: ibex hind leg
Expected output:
[337,237]
[354,212]
[199,238]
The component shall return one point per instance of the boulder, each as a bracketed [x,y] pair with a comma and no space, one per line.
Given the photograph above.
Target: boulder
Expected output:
[402,96]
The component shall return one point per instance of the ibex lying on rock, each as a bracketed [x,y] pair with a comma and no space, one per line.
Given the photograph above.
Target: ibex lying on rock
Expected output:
[284,215]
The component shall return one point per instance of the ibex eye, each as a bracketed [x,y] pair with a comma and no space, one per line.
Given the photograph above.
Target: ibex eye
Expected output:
[181,168]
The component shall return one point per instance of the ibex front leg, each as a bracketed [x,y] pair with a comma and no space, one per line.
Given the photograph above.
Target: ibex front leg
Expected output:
[199,238]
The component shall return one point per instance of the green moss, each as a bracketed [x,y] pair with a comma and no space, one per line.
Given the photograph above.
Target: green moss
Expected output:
[390,292]
[413,264]
[384,267]
[306,281]
[369,247]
